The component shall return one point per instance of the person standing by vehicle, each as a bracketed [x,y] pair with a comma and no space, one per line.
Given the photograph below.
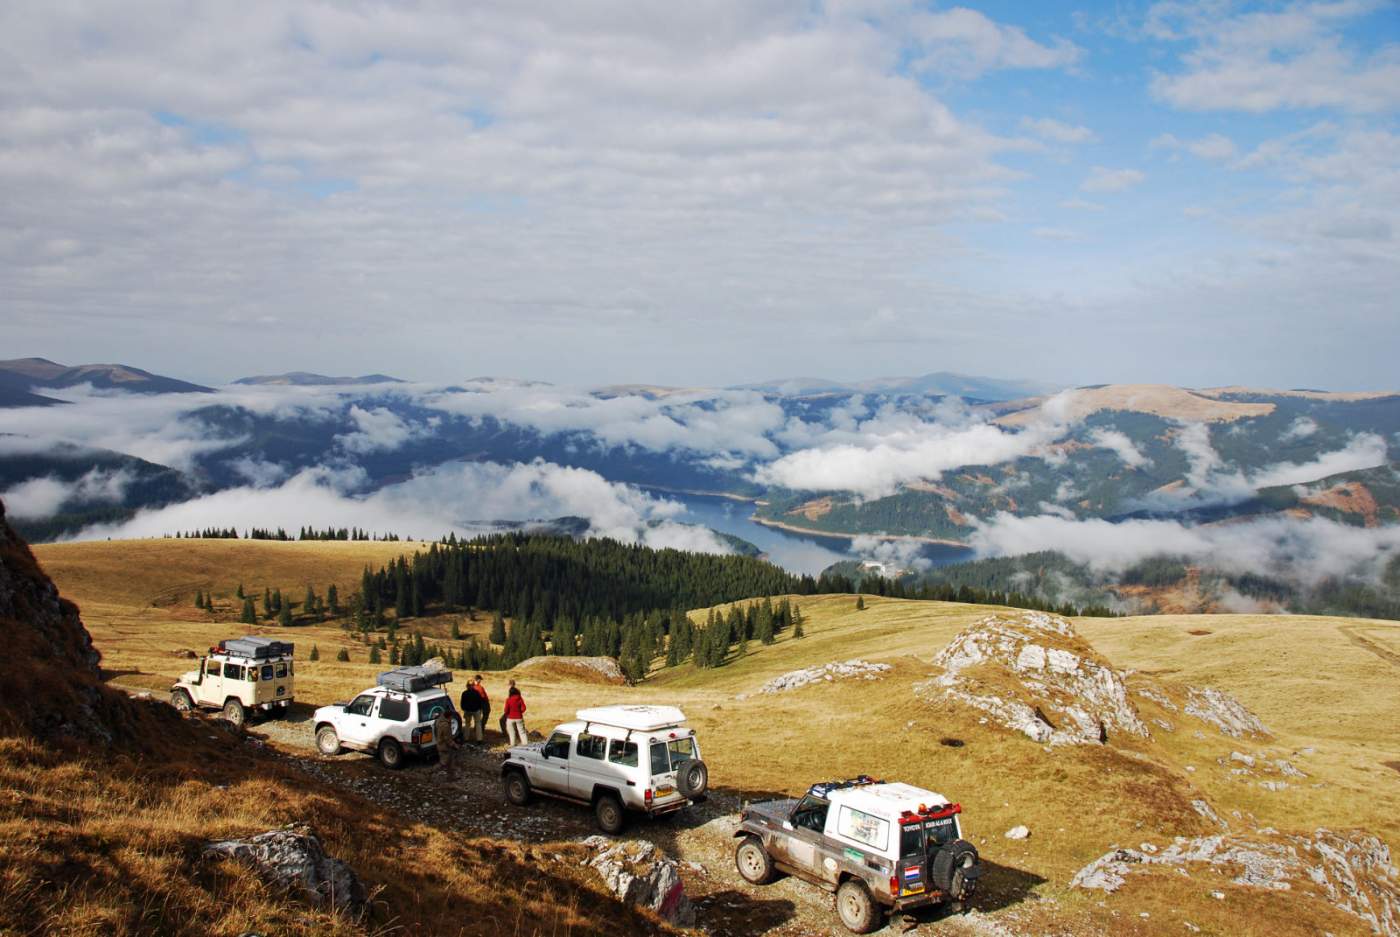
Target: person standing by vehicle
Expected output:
[472,719]
[484,712]
[515,717]
[446,742]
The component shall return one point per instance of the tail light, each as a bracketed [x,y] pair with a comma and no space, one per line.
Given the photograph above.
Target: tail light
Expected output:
[894,886]
[646,795]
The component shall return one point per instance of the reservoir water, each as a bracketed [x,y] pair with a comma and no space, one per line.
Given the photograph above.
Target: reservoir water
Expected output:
[799,553]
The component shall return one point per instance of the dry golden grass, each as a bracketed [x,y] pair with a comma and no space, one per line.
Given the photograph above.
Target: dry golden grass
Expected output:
[1317,683]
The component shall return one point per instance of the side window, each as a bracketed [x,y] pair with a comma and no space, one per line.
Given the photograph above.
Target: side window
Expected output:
[267,671]
[281,670]
[233,671]
[211,668]
[622,753]
[660,760]
[863,827]
[681,750]
[591,746]
[361,706]
[810,813]
[395,709]
[557,746]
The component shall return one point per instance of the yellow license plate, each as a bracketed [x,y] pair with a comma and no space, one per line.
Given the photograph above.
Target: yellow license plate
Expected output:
[665,791]
[913,889]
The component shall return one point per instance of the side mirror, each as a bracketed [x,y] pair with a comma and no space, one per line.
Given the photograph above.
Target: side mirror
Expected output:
[544,752]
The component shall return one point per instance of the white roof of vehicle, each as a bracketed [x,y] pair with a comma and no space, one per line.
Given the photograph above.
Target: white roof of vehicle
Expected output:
[639,718]
[888,800]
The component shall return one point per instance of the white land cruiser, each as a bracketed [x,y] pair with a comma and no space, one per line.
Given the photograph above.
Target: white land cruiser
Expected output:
[880,847]
[241,676]
[390,720]
[642,759]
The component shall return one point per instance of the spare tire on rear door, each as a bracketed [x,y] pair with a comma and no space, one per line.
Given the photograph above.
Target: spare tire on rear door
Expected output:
[692,778]
[955,869]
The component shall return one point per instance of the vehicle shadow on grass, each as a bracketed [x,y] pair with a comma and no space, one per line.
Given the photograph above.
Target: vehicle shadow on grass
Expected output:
[732,911]
[1002,886]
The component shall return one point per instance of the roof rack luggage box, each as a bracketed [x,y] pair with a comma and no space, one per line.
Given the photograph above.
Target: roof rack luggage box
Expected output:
[637,718]
[257,648]
[413,679]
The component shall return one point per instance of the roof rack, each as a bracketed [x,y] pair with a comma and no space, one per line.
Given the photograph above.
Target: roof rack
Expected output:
[824,788]
[413,679]
[254,647]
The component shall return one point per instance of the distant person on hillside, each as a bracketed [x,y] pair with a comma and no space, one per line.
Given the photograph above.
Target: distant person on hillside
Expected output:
[515,717]
[447,748]
[484,712]
[472,718]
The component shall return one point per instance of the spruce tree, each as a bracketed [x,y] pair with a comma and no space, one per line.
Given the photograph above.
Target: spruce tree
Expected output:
[198,599]
[456,631]
[250,614]
[342,655]
[333,599]
[240,590]
[498,628]
[860,603]
[315,653]
[308,604]
[374,657]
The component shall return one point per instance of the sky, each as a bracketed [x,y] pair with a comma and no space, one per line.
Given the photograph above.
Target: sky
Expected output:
[705,193]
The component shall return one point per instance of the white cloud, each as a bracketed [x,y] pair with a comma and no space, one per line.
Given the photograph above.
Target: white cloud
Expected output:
[1366,450]
[42,497]
[379,429]
[966,43]
[1057,131]
[455,498]
[1216,147]
[1262,61]
[1103,179]
[1121,446]
[1300,428]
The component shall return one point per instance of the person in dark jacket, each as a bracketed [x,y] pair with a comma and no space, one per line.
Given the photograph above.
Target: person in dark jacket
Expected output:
[515,717]
[471,714]
[447,750]
[484,713]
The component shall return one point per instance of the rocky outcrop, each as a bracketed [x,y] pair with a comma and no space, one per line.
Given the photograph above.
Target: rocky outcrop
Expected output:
[640,874]
[589,669]
[826,673]
[294,860]
[1222,711]
[1033,674]
[1352,872]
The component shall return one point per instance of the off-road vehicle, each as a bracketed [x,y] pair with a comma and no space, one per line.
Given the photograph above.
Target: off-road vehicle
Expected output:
[242,676]
[880,847]
[390,720]
[617,759]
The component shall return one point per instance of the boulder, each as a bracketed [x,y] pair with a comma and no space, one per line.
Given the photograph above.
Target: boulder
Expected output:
[1018,832]
[294,860]
[845,670]
[1033,674]
[638,873]
[1222,711]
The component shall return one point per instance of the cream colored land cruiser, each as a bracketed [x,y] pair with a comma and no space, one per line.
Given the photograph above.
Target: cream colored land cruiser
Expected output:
[243,677]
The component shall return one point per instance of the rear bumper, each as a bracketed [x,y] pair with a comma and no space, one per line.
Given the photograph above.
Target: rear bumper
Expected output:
[659,810]
[909,902]
[270,705]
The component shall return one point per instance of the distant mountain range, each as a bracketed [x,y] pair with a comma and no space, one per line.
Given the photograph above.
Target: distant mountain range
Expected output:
[308,379]
[19,375]
[939,383]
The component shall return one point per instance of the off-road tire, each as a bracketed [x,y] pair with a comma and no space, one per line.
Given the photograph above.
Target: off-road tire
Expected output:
[517,787]
[181,701]
[753,862]
[235,713]
[328,741]
[607,810]
[692,778]
[950,866]
[856,907]
[390,754]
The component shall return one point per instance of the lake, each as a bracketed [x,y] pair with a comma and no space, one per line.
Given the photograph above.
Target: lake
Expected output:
[799,553]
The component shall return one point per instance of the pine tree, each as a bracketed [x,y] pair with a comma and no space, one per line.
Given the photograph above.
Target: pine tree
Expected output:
[250,614]
[308,604]
[240,590]
[333,599]
[374,657]
[198,599]
[860,603]
[342,655]
[284,617]
[315,653]
[456,631]
[394,655]
[498,628]
[267,602]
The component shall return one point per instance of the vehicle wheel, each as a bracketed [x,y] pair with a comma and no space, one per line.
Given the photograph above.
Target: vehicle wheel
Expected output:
[856,907]
[692,778]
[390,753]
[608,812]
[235,713]
[753,861]
[517,788]
[327,741]
[954,869]
[181,701]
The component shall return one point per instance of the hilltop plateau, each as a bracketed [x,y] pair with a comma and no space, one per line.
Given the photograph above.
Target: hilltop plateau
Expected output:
[1265,743]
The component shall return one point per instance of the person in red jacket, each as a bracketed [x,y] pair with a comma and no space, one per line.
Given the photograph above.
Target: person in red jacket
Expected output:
[515,717]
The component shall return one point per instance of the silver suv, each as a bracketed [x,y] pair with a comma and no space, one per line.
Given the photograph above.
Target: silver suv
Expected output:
[390,720]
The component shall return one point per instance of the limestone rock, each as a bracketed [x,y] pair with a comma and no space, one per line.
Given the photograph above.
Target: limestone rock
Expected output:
[1222,711]
[1018,832]
[294,859]
[1033,674]
[639,873]
[845,670]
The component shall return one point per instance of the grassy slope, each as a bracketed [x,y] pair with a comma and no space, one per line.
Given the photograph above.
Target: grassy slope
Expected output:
[1306,678]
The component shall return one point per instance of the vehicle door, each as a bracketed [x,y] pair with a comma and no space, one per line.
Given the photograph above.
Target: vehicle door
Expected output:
[357,725]
[211,685]
[551,772]
[804,829]
[392,717]
[429,708]
[588,767]
[665,758]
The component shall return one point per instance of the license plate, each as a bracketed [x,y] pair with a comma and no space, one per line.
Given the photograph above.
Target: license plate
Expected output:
[665,791]
[912,889]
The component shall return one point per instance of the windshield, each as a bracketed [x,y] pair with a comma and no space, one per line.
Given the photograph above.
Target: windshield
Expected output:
[668,756]
[941,831]
[911,841]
